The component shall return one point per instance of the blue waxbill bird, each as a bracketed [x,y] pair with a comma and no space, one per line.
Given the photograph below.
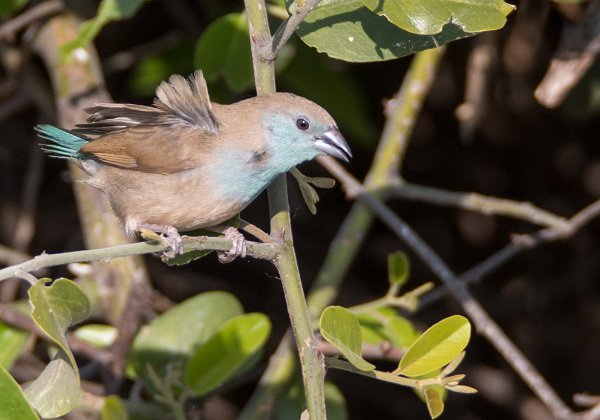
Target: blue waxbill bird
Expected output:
[186,163]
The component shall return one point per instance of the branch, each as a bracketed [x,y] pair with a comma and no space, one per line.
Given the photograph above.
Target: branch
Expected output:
[255,249]
[484,324]
[403,110]
[518,244]
[287,28]
[383,376]
[477,202]
[311,360]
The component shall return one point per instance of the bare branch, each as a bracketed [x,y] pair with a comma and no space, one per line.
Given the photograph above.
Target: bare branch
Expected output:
[479,203]
[255,249]
[287,28]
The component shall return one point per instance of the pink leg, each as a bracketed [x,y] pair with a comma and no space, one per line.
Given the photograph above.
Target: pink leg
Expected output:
[170,235]
[238,248]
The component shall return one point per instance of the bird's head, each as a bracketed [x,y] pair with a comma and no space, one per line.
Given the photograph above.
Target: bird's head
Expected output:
[298,129]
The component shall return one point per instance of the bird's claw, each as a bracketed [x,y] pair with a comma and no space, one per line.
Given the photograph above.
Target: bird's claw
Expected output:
[238,247]
[166,235]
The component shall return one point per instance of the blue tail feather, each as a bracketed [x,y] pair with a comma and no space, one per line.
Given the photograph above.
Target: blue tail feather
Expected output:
[61,143]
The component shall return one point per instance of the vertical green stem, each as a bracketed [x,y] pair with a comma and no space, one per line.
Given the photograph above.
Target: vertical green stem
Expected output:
[402,112]
[311,361]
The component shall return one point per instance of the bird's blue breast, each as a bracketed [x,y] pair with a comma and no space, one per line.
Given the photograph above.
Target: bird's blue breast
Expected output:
[239,176]
[243,173]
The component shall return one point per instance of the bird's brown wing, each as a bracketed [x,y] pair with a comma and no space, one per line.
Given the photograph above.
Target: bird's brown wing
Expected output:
[178,101]
[171,136]
[155,149]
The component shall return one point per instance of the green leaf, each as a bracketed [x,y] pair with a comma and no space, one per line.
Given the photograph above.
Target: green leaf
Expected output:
[10,7]
[227,353]
[434,401]
[341,328]
[113,409]
[436,347]
[56,391]
[400,331]
[187,257]
[55,308]
[398,268]
[108,11]
[181,329]
[224,50]
[12,342]
[347,30]
[428,17]
[99,335]
[13,404]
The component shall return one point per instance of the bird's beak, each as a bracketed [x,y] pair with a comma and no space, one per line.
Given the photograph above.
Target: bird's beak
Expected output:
[333,143]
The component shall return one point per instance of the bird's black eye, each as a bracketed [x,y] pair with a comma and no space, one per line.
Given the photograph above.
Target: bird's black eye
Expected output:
[302,124]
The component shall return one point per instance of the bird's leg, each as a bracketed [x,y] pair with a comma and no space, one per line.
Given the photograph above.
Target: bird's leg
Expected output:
[167,235]
[238,247]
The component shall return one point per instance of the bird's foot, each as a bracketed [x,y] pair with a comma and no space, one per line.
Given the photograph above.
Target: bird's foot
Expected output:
[166,235]
[238,248]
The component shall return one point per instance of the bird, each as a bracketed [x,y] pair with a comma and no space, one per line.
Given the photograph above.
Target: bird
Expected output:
[185,163]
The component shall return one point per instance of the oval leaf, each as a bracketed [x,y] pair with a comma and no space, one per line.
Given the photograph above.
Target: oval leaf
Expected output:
[181,329]
[398,268]
[347,30]
[434,401]
[401,331]
[228,352]
[55,308]
[428,17]
[436,347]
[56,391]
[13,404]
[341,328]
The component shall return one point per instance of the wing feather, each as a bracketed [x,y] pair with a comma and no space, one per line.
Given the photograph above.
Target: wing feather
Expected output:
[171,136]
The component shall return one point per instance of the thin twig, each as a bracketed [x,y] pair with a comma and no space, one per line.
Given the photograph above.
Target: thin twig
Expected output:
[287,28]
[484,324]
[255,249]
[477,202]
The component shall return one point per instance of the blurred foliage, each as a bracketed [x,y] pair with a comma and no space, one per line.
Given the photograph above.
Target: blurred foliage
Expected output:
[515,134]
[10,7]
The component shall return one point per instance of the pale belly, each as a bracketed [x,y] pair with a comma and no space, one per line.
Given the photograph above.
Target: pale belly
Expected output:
[185,201]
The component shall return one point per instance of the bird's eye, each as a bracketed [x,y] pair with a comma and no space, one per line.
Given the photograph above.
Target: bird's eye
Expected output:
[302,124]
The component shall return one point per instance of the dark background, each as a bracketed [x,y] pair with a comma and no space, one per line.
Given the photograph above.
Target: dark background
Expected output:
[547,299]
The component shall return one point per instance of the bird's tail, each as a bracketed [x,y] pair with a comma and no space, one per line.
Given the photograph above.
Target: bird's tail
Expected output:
[60,143]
